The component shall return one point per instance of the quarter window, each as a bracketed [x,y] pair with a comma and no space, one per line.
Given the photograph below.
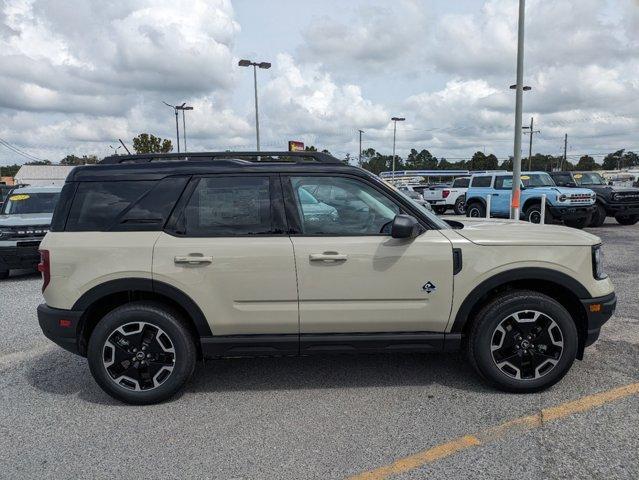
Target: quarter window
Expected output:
[342,206]
[481,182]
[229,206]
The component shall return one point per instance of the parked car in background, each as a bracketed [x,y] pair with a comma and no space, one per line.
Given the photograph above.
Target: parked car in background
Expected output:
[456,196]
[24,220]
[435,195]
[4,191]
[414,195]
[612,201]
[147,269]
[573,206]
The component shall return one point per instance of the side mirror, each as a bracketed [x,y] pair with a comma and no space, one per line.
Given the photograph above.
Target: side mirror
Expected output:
[405,226]
[571,184]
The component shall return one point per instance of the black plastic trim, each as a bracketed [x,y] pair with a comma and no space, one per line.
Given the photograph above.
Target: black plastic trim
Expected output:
[528,273]
[595,320]
[250,345]
[66,337]
[457,260]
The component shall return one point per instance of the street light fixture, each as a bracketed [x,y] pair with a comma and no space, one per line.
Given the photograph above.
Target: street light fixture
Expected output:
[115,150]
[255,65]
[177,126]
[183,107]
[395,120]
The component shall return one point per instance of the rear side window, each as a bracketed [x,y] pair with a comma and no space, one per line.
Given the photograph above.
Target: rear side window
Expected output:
[481,182]
[503,183]
[97,205]
[229,206]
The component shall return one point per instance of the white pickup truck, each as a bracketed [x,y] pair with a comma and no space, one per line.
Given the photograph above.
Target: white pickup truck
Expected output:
[443,197]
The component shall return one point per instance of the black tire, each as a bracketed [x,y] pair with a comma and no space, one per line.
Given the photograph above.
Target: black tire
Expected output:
[507,308]
[532,214]
[599,216]
[149,316]
[4,274]
[439,210]
[476,210]
[460,205]
[577,222]
[627,219]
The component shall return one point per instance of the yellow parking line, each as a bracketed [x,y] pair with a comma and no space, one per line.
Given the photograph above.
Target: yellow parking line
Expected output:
[494,433]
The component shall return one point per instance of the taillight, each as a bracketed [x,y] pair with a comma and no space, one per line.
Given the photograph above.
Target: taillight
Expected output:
[44,267]
[445,193]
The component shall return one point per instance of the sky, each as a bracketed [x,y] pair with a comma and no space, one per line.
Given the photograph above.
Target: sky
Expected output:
[76,75]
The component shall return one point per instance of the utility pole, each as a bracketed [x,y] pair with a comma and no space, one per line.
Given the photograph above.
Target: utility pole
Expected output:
[395,120]
[360,147]
[514,204]
[565,151]
[531,132]
[183,107]
[177,125]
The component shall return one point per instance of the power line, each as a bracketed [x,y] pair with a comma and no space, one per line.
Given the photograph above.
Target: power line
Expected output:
[18,151]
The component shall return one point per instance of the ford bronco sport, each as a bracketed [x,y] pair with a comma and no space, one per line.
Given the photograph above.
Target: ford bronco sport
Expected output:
[155,261]
[619,202]
[572,206]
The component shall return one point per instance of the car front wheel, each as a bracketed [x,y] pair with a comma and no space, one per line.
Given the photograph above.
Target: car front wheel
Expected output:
[599,216]
[627,219]
[141,353]
[523,341]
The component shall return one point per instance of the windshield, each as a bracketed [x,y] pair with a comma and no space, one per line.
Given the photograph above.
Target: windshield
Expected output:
[589,178]
[537,180]
[22,203]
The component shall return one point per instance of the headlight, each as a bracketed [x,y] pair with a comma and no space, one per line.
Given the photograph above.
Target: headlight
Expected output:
[562,198]
[597,262]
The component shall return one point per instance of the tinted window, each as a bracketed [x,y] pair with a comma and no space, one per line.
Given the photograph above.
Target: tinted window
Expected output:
[98,204]
[537,180]
[229,206]
[589,178]
[461,182]
[342,206]
[504,183]
[22,203]
[562,178]
[481,182]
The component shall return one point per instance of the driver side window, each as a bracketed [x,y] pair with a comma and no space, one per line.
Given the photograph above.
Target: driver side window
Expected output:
[341,206]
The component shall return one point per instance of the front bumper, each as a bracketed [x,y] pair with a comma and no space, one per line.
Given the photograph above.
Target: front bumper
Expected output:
[598,311]
[614,209]
[572,213]
[22,255]
[61,327]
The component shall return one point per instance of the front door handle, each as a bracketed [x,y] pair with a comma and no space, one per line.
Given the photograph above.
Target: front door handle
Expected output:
[328,257]
[193,259]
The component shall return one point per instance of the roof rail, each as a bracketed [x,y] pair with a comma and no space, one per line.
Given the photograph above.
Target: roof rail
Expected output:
[243,157]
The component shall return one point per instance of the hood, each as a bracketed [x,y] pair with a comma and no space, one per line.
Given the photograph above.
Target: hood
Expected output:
[565,190]
[26,219]
[510,232]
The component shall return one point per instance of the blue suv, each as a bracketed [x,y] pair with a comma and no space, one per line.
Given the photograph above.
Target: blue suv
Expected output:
[573,206]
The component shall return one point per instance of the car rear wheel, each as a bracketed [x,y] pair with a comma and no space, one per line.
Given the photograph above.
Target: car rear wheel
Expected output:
[475,210]
[460,205]
[599,216]
[523,341]
[141,353]
[627,219]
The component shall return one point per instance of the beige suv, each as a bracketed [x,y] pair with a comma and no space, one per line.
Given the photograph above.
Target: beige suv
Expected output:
[155,261]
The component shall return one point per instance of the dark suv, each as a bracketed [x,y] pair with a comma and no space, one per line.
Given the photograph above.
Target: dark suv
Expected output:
[619,202]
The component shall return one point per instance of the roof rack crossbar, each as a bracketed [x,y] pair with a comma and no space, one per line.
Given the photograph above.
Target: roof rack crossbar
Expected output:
[236,157]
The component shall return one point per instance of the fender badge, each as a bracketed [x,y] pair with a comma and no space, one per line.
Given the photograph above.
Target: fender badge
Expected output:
[429,287]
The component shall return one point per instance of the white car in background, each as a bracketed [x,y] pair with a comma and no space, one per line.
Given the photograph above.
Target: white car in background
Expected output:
[456,197]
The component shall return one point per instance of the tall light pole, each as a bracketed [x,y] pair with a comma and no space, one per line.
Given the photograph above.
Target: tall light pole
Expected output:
[395,120]
[514,203]
[183,107]
[255,65]
[177,125]
[360,147]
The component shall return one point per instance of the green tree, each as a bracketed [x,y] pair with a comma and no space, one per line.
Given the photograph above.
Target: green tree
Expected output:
[587,163]
[481,161]
[83,160]
[9,170]
[145,143]
[614,160]
[422,160]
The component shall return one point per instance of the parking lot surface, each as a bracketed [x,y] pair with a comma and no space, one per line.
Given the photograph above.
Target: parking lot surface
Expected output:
[320,417]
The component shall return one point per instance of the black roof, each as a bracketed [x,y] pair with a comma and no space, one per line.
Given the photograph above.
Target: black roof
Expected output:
[157,166]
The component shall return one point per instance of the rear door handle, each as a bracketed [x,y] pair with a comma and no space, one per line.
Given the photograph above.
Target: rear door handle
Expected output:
[193,259]
[328,257]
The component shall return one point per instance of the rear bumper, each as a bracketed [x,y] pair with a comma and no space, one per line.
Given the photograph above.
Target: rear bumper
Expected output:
[572,213]
[19,256]
[65,333]
[598,311]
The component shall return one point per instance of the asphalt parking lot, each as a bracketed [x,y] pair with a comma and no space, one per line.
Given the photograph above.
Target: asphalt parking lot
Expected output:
[324,417]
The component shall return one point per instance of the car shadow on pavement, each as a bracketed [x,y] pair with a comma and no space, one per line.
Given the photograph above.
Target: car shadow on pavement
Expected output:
[61,373]
[20,276]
